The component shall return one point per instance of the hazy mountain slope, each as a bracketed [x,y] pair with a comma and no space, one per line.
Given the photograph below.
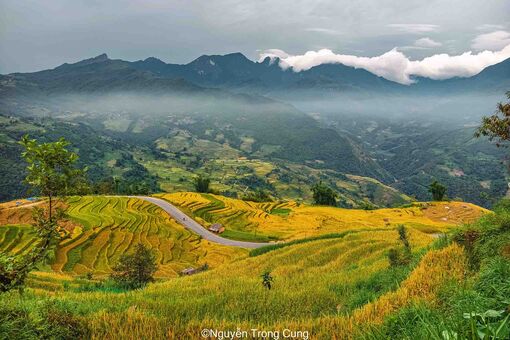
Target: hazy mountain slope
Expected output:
[494,79]
[84,87]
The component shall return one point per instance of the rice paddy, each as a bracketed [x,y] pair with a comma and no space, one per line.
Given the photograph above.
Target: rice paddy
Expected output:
[289,220]
[107,227]
[325,287]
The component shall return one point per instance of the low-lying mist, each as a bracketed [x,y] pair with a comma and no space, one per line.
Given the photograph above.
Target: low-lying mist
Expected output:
[455,110]
[458,110]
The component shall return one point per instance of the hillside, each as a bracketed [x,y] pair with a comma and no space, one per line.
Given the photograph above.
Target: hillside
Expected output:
[290,220]
[167,153]
[355,290]
[104,228]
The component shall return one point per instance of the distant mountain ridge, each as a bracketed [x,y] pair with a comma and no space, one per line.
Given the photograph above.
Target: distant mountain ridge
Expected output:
[237,73]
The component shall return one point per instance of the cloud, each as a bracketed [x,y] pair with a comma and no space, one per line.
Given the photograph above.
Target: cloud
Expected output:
[415,28]
[491,41]
[427,43]
[322,30]
[394,65]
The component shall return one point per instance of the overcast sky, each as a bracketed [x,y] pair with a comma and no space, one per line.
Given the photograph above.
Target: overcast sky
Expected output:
[43,34]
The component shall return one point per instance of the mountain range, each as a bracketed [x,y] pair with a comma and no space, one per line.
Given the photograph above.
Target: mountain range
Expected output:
[224,105]
[236,73]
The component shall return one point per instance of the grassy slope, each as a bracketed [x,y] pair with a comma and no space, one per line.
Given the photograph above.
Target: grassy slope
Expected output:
[266,220]
[456,312]
[322,286]
[329,286]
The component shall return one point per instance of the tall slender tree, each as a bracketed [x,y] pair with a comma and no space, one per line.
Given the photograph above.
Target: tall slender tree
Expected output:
[51,172]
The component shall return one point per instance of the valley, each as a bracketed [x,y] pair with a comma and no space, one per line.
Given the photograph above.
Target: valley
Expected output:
[331,202]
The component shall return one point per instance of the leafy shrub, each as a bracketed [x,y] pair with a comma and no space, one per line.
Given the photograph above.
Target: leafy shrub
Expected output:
[324,195]
[437,190]
[202,184]
[135,270]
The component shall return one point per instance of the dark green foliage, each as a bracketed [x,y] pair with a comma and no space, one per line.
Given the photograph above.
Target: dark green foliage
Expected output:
[267,280]
[400,257]
[468,238]
[135,270]
[258,195]
[394,257]
[402,234]
[437,190]
[497,126]
[324,195]
[202,184]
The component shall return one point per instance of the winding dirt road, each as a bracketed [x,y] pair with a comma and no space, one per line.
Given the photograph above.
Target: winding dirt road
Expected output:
[192,225]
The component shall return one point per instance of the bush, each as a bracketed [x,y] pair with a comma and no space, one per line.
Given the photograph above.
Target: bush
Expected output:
[324,195]
[135,270]
[202,184]
[437,190]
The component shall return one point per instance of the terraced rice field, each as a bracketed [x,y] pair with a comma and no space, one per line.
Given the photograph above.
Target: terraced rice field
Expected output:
[107,227]
[289,220]
[340,273]
[16,239]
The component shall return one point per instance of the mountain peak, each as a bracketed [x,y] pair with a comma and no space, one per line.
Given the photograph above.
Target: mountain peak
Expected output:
[99,59]
[230,57]
[235,55]
[154,60]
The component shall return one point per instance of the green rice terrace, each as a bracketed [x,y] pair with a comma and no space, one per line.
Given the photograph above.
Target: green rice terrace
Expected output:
[104,228]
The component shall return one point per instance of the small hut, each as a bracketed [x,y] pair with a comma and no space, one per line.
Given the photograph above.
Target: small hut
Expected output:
[189,271]
[217,228]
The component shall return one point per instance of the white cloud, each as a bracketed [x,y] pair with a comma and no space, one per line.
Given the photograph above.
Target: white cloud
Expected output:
[273,53]
[427,43]
[491,41]
[322,30]
[415,28]
[394,65]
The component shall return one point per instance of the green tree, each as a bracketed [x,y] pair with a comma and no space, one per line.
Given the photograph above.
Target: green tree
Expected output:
[137,269]
[497,126]
[437,190]
[51,173]
[201,184]
[324,195]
